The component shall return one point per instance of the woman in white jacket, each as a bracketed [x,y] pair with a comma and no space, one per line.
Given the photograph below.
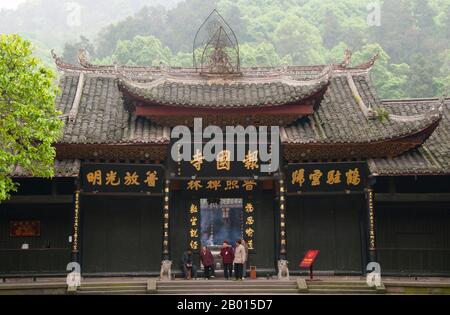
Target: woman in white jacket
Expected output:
[239,260]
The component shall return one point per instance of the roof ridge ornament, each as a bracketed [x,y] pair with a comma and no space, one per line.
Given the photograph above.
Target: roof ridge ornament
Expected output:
[83,58]
[216,49]
[347,58]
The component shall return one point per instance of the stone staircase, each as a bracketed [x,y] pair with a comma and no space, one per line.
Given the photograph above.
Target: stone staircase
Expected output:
[340,287]
[112,288]
[226,287]
[230,287]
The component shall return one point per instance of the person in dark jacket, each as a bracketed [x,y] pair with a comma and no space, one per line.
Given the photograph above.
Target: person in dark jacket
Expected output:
[227,256]
[187,263]
[207,260]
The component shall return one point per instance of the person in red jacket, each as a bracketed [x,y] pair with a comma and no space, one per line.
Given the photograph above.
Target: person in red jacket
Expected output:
[207,261]
[227,256]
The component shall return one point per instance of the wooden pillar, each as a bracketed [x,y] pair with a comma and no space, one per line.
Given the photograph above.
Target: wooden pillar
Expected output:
[166,230]
[76,224]
[371,230]
[282,210]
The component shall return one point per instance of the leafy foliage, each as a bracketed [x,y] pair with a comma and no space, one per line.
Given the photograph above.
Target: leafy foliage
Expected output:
[29,123]
[413,38]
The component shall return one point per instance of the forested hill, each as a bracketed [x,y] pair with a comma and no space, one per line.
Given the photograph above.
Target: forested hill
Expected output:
[412,36]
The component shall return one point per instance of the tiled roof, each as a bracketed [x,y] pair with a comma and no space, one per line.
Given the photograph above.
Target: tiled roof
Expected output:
[339,120]
[234,92]
[63,168]
[101,117]
[97,114]
[433,157]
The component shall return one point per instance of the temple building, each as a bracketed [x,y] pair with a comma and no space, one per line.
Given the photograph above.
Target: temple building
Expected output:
[360,179]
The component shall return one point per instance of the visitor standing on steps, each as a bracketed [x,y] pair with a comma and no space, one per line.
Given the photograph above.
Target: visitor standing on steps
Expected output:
[207,260]
[227,257]
[239,260]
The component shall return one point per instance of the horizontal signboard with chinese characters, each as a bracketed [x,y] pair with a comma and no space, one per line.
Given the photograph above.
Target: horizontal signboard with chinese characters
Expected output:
[25,228]
[221,187]
[122,178]
[326,177]
[236,160]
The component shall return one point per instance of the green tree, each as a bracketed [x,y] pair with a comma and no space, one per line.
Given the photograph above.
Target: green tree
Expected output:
[29,123]
[390,79]
[71,50]
[297,37]
[141,51]
[263,54]
[442,79]
[398,31]
[421,77]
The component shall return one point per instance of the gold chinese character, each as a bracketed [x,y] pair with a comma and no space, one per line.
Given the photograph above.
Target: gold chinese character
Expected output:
[197,160]
[194,221]
[193,209]
[249,232]
[193,245]
[298,177]
[283,242]
[224,160]
[194,185]
[250,221]
[250,244]
[111,179]
[315,177]
[249,208]
[214,185]
[353,177]
[194,232]
[151,179]
[249,184]
[333,177]
[131,179]
[94,178]
[232,185]
[251,160]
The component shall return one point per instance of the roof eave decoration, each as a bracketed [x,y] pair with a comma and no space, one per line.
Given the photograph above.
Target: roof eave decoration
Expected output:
[395,145]
[144,71]
[345,64]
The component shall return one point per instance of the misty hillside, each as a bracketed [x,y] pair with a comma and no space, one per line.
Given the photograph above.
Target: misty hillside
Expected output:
[412,37]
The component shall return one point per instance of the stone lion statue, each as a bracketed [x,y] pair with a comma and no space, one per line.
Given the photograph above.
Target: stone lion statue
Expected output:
[166,270]
[283,270]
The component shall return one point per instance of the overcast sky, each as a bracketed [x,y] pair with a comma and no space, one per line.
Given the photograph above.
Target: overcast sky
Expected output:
[10,4]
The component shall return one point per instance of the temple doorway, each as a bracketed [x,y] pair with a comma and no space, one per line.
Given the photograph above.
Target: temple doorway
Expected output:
[221,219]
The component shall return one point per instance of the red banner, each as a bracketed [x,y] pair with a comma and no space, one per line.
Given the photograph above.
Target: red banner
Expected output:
[309,258]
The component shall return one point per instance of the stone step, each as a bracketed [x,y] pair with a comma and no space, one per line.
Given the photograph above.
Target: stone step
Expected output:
[341,283]
[112,288]
[341,291]
[119,292]
[230,284]
[113,284]
[220,287]
[208,283]
[227,291]
[333,286]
